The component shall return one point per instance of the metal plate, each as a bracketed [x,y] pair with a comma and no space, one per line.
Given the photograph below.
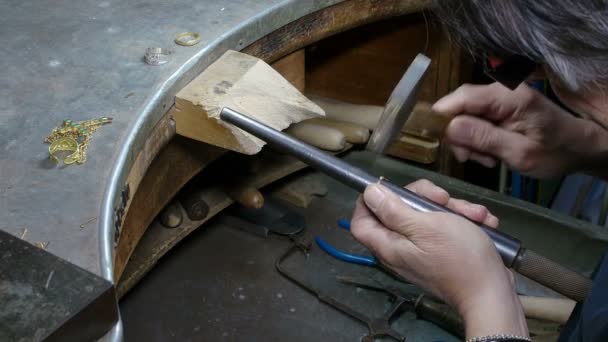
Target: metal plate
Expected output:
[46,298]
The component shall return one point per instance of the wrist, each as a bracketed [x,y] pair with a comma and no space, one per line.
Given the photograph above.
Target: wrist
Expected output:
[495,310]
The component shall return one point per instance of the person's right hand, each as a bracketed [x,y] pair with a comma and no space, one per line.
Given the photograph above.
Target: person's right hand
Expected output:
[521,127]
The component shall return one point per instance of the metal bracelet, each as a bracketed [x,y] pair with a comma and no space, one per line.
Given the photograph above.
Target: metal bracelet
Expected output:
[499,337]
[157,56]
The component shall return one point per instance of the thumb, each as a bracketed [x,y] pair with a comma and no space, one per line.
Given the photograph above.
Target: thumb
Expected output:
[389,208]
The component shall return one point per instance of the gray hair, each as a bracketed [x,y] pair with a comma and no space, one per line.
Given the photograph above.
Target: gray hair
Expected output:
[570,37]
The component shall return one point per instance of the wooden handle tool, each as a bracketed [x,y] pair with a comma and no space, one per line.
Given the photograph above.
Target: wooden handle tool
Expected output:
[353,133]
[245,195]
[556,310]
[363,115]
[426,123]
[323,137]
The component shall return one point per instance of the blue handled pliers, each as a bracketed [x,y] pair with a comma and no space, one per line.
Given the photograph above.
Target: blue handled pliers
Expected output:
[348,257]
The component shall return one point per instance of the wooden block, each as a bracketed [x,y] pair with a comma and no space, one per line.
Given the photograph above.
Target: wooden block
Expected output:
[354,133]
[424,122]
[414,148]
[292,67]
[363,115]
[323,137]
[245,84]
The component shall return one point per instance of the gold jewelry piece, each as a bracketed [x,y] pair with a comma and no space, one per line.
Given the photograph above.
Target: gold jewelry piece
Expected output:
[73,137]
[64,145]
[187,38]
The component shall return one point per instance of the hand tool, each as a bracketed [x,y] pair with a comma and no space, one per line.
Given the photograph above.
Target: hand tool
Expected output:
[275,216]
[323,137]
[526,262]
[171,216]
[344,256]
[544,308]
[353,133]
[245,195]
[424,306]
[556,310]
[361,115]
[377,326]
[399,106]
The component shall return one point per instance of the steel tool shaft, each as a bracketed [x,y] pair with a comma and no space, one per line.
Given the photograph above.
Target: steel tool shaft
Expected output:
[528,263]
[354,177]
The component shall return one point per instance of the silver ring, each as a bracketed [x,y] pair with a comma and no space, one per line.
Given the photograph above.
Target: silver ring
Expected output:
[157,56]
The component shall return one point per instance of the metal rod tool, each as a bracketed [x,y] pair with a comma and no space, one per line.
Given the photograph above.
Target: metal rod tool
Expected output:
[526,262]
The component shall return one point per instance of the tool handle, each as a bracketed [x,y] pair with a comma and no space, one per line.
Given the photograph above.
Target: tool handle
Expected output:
[439,314]
[556,310]
[549,273]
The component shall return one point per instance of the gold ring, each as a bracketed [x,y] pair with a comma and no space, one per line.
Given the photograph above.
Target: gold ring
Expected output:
[61,145]
[187,38]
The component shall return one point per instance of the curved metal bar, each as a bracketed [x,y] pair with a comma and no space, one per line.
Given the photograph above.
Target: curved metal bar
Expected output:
[236,38]
[240,36]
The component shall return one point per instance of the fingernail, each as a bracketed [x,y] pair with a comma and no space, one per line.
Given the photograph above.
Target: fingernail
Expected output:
[492,221]
[461,154]
[439,106]
[373,197]
[441,192]
[481,209]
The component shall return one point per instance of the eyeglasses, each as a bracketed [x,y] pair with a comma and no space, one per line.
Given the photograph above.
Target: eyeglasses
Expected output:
[511,71]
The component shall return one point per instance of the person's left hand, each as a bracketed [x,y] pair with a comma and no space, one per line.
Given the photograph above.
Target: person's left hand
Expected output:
[443,253]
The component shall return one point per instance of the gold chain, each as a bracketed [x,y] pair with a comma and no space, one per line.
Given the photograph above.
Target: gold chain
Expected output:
[73,137]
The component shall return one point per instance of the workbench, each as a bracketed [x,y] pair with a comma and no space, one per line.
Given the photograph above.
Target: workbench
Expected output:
[84,60]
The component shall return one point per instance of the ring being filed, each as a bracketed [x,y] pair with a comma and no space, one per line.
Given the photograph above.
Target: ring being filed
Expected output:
[63,145]
[157,56]
[187,38]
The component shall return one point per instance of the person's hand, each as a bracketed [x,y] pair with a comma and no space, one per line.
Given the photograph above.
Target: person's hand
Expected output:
[522,127]
[442,253]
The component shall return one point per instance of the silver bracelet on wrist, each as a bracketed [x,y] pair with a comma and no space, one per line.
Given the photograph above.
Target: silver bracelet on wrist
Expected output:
[501,337]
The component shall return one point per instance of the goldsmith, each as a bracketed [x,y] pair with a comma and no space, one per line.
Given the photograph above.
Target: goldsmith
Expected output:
[73,138]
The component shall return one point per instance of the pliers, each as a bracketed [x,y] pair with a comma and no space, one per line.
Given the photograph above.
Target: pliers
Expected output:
[341,255]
